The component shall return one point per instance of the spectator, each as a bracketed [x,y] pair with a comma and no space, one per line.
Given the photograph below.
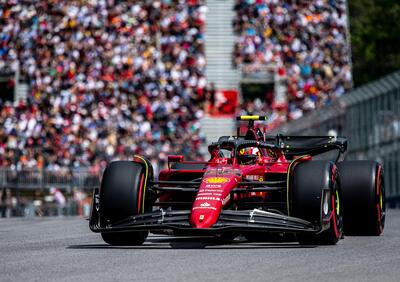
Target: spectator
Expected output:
[7,203]
[3,203]
[109,79]
[59,199]
[79,197]
[306,40]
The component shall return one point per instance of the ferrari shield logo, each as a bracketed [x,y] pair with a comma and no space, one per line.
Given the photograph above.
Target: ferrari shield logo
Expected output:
[217,180]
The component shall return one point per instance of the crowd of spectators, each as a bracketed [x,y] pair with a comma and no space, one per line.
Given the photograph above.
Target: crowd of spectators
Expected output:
[108,79]
[307,43]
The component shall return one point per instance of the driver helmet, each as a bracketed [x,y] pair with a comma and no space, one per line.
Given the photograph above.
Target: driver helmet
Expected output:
[249,151]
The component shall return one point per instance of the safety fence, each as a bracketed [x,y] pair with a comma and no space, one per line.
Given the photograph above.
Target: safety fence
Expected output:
[369,117]
[34,179]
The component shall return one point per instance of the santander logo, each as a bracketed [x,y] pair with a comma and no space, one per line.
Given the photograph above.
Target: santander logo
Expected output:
[205,204]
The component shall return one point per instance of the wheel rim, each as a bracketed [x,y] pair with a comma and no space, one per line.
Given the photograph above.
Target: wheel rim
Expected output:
[337,214]
[381,205]
[337,202]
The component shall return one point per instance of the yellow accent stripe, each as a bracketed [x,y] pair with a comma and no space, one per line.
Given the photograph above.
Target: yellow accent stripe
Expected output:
[337,202]
[145,181]
[249,117]
[380,188]
[287,182]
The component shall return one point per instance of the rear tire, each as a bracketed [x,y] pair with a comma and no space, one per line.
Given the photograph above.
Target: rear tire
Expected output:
[363,194]
[122,194]
[309,180]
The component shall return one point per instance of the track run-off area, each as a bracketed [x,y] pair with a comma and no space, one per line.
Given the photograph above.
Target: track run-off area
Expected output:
[64,249]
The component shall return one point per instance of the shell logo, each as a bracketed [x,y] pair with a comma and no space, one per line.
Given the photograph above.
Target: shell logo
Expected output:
[217,180]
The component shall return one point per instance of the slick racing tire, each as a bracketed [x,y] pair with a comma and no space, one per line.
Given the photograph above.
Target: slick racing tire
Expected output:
[363,195]
[123,194]
[308,181]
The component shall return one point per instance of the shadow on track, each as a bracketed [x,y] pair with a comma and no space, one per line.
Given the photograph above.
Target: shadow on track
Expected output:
[195,243]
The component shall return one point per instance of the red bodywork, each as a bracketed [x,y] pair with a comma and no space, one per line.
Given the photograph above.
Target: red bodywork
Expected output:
[245,186]
[222,174]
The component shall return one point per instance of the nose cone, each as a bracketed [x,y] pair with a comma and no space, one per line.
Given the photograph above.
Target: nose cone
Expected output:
[204,218]
[208,203]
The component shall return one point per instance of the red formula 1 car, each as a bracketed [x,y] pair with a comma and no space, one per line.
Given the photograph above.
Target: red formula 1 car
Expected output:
[254,185]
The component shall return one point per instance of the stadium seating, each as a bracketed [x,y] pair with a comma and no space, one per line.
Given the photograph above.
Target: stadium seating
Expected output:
[306,40]
[108,79]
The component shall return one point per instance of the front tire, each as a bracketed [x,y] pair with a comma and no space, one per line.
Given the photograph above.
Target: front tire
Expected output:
[123,194]
[309,180]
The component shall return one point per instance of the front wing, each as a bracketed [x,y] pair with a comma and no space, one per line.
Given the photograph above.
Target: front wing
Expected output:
[229,220]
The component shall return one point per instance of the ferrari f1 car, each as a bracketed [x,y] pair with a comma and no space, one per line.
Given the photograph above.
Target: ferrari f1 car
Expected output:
[253,185]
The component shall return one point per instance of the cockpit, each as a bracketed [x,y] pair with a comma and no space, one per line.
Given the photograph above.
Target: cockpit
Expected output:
[244,151]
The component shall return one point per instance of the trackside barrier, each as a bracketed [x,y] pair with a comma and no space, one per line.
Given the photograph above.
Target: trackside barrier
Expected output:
[370,118]
[64,179]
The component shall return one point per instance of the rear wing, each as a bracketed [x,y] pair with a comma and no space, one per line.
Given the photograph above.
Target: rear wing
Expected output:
[308,145]
[292,145]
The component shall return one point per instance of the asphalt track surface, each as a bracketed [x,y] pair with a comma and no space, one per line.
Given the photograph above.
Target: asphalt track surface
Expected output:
[63,249]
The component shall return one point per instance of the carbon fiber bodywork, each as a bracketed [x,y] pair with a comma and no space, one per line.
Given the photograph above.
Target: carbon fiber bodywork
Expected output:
[229,220]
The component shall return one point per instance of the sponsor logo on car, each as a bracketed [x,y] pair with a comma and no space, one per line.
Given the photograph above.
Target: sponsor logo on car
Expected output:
[227,198]
[205,208]
[213,186]
[254,177]
[200,194]
[208,198]
[217,180]
[210,190]
[205,204]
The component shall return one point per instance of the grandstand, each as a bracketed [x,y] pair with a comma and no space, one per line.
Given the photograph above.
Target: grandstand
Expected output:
[101,74]
[305,41]
[142,66]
